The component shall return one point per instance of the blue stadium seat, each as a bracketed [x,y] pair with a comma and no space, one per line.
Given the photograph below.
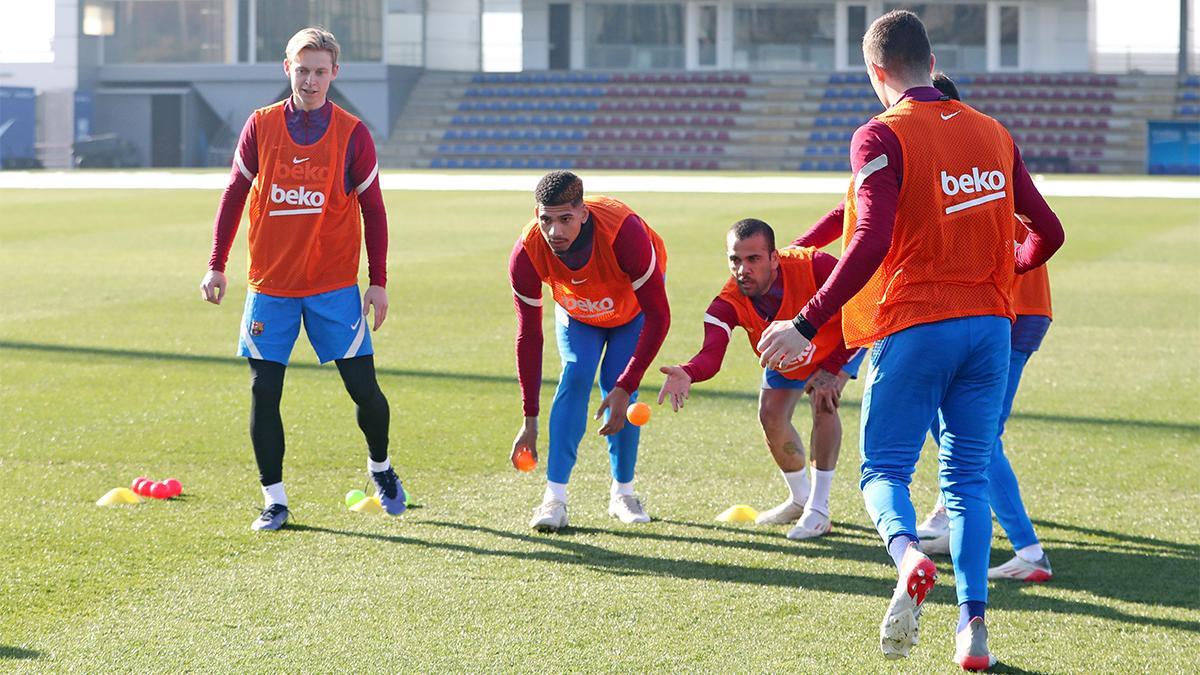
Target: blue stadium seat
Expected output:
[437,163]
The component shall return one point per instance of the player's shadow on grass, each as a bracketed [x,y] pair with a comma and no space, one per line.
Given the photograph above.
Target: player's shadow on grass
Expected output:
[458,377]
[570,552]
[1133,569]
[770,540]
[600,559]
[18,653]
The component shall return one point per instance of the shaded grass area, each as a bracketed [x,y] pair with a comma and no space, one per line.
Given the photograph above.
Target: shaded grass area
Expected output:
[111,367]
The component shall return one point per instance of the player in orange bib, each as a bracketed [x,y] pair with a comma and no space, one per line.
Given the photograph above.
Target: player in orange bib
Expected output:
[766,283]
[926,276]
[309,169]
[1031,304]
[605,269]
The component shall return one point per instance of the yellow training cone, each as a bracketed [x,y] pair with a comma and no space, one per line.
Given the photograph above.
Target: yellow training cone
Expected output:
[118,496]
[368,505]
[738,513]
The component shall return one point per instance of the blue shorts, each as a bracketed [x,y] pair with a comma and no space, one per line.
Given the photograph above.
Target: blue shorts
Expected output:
[773,379]
[334,322]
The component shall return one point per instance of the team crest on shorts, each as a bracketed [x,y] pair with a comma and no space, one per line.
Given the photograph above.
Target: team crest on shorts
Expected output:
[256,328]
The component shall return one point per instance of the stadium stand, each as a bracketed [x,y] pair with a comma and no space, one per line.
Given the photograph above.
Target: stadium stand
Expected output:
[1076,122]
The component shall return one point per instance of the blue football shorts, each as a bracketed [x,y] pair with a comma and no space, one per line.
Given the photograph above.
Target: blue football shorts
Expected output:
[773,379]
[333,321]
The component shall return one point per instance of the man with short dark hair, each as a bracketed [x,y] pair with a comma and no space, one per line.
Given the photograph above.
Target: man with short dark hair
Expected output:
[926,276]
[765,283]
[605,267]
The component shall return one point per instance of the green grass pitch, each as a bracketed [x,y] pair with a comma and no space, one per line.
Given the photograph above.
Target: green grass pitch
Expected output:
[111,366]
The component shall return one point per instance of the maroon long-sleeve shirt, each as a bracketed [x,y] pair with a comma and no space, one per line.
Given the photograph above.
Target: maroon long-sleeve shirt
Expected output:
[362,175]
[633,251]
[707,362]
[875,200]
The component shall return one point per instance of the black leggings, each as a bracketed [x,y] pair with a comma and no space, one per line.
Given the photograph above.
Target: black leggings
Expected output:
[266,425]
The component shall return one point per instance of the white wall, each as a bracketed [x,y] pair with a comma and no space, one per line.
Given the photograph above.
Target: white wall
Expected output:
[1056,36]
[452,35]
[535,31]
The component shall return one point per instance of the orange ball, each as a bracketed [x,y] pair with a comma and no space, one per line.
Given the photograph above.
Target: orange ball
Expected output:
[524,460]
[638,414]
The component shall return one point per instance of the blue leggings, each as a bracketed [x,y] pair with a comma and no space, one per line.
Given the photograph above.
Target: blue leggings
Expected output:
[580,346]
[1003,491]
[955,369]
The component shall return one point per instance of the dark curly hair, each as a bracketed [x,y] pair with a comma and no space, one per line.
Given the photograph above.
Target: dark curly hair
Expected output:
[559,187]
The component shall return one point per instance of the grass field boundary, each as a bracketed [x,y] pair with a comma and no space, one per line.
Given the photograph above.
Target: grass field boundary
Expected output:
[1140,187]
[729,394]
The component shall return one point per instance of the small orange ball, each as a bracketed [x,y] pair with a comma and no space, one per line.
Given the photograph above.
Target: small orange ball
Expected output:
[524,460]
[638,414]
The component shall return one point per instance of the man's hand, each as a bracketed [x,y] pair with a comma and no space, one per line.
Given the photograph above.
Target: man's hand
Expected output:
[677,386]
[376,296]
[825,388]
[780,344]
[212,288]
[616,403]
[526,439]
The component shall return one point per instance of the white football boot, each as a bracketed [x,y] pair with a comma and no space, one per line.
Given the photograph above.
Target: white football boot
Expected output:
[550,516]
[627,509]
[898,630]
[784,514]
[811,525]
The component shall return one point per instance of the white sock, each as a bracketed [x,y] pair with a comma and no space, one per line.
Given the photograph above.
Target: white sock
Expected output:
[797,482]
[274,494]
[819,499]
[555,491]
[621,489]
[1031,553]
[376,467]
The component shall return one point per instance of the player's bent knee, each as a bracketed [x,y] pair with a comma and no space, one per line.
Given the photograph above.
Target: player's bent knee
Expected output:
[774,421]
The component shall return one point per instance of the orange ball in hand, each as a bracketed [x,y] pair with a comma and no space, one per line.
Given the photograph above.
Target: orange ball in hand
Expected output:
[638,414]
[524,460]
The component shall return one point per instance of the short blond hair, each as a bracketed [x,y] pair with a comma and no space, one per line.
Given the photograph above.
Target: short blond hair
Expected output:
[313,37]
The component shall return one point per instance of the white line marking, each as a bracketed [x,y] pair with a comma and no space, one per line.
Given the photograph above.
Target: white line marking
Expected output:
[1137,187]
[975,202]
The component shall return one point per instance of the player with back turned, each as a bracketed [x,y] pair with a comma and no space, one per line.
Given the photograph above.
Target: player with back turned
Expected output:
[926,277]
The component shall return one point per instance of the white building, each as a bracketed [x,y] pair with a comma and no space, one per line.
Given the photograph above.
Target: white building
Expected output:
[800,35]
[177,78]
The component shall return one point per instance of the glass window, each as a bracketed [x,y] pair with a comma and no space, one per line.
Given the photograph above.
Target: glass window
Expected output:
[706,36]
[1010,27]
[357,24]
[638,36]
[856,28]
[782,37]
[166,31]
[957,33]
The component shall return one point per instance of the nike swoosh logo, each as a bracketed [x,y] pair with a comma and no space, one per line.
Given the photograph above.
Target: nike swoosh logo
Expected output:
[579,281]
[354,326]
[946,117]
[301,160]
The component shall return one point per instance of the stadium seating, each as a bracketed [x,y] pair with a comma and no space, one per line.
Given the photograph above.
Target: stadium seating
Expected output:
[763,121]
